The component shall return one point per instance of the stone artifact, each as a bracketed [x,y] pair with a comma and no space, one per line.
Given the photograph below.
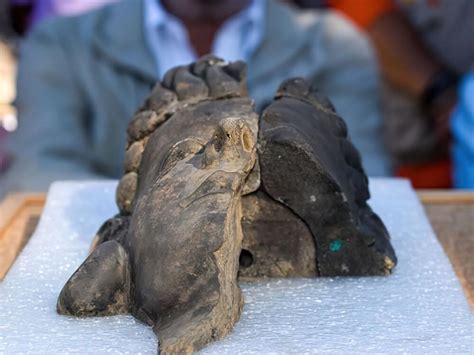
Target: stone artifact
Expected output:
[308,164]
[211,192]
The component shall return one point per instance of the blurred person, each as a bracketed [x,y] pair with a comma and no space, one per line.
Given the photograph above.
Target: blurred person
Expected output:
[423,47]
[82,78]
[17,17]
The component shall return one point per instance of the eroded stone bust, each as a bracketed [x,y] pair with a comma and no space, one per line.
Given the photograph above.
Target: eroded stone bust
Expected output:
[213,191]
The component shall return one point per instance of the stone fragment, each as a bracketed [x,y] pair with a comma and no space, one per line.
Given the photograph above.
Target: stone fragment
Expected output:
[115,228]
[198,207]
[221,84]
[277,243]
[160,100]
[126,190]
[144,123]
[133,156]
[308,164]
[179,227]
[185,279]
[253,181]
[100,286]
[188,86]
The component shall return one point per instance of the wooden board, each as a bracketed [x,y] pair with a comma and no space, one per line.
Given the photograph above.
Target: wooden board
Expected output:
[19,215]
[451,214]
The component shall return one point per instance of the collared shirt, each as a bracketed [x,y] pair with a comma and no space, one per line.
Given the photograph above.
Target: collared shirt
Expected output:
[168,39]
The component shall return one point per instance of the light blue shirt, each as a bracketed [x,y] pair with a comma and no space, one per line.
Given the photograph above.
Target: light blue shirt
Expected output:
[168,39]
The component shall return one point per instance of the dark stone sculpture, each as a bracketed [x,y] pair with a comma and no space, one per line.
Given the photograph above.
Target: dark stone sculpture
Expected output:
[196,201]
[304,142]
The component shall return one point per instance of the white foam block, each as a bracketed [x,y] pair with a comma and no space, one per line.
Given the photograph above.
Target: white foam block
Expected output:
[419,309]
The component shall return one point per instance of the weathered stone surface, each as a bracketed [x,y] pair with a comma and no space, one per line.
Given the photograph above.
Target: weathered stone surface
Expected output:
[100,286]
[180,223]
[221,83]
[308,163]
[115,228]
[126,191]
[196,121]
[160,100]
[186,279]
[253,180]
[133,156]
[186,85]
[144,123]
[276,242]
[198,207]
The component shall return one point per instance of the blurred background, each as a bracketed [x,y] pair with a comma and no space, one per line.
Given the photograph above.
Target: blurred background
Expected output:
[425,61]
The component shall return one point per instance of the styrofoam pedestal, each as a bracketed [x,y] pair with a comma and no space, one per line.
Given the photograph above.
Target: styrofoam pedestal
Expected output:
[419,309]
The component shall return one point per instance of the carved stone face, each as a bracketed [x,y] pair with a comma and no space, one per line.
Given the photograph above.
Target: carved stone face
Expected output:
[191,149]
[195,198]
[185,229]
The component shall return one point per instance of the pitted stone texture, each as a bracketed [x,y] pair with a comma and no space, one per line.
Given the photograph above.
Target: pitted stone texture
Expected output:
[160,99]
[107,266]
[144,123]
[308,163]
[133,156]
[190,157]
[126,191]
[185,273]
[277,243]
[179,230]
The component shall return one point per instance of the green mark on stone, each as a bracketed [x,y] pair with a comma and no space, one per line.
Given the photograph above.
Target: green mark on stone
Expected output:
[335,245]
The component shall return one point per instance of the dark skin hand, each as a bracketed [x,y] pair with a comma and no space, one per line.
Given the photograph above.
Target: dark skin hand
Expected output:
[440,111]
[409,64]
[404,59]
[203,18]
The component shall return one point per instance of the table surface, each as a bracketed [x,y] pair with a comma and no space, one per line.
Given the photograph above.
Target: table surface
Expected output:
[451,213]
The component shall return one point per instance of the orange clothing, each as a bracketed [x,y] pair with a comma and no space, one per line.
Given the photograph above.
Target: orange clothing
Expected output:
[433,175]
[363,12]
